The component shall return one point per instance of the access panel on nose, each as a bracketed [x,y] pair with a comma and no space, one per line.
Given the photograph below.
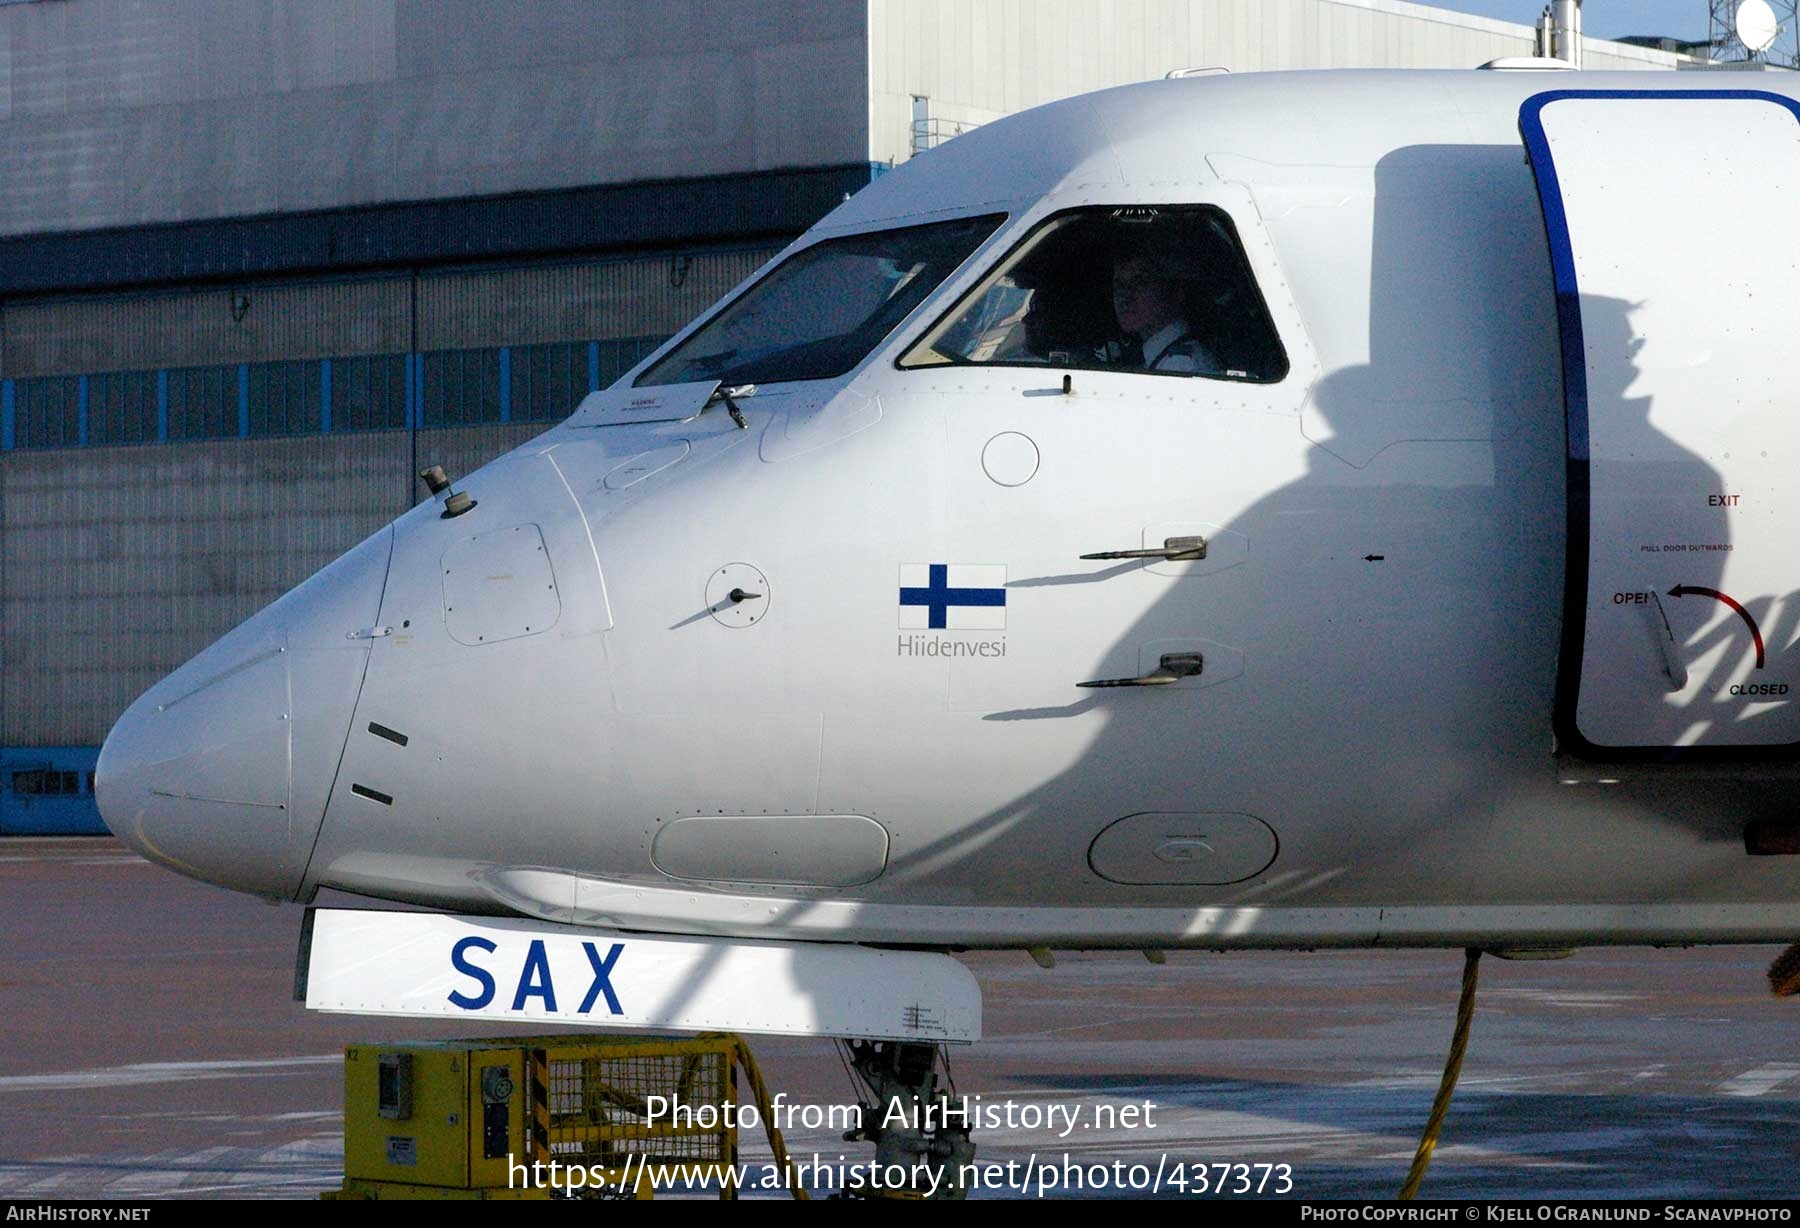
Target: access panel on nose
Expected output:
[499,586]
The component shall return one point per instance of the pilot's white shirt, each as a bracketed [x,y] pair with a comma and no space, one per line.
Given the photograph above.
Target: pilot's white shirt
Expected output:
[1173,348]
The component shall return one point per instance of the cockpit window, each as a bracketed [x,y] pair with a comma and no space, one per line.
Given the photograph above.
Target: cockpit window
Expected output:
[822,309]
[1162,290]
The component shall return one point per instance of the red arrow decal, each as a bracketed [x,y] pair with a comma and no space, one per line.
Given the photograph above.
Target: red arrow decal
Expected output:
[1755,634]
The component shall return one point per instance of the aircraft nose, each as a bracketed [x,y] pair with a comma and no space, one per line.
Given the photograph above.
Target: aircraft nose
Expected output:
[221,771]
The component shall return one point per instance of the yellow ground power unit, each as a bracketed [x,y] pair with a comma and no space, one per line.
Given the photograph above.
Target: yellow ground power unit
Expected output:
[489,1118]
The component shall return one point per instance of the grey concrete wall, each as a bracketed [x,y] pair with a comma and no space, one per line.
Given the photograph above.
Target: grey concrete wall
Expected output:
[122,112]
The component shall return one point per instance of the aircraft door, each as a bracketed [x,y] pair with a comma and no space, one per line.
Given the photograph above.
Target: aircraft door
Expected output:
[1677,266]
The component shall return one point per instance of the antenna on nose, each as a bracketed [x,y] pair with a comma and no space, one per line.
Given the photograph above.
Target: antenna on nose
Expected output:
[437,482]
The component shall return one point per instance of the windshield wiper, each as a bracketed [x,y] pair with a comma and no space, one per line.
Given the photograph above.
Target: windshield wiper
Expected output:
[728,395]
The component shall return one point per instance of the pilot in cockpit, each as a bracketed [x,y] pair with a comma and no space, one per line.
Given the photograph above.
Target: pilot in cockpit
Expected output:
[1148,302]
[1134,289]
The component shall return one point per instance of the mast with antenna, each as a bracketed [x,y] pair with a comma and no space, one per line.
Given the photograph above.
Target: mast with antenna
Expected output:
[1761,31]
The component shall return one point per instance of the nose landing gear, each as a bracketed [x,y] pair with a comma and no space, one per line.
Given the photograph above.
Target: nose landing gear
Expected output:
[916,1127]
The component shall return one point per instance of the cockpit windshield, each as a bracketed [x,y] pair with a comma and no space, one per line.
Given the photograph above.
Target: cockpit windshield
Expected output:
[1162,290]
[819,312]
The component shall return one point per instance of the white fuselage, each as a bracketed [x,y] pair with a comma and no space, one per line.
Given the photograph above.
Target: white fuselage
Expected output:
[592,736]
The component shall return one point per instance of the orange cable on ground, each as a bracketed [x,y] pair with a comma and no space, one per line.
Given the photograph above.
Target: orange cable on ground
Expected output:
[1459,1042]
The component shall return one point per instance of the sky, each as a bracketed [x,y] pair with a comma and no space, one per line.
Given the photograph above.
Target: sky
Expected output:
[1602,18]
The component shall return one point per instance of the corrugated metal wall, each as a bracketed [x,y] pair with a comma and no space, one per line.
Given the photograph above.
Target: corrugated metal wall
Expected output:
[123,114]
[651,296]
[465,309]
[196,327]
[121,563]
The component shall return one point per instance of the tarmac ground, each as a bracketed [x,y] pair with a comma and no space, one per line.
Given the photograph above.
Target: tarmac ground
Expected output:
[153,1049]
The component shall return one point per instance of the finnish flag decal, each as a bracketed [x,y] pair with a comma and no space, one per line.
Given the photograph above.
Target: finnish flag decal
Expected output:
[952,597]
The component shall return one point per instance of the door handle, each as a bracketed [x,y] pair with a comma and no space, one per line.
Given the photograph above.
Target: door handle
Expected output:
[1173,549]
[1173,668]
[1665,643]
